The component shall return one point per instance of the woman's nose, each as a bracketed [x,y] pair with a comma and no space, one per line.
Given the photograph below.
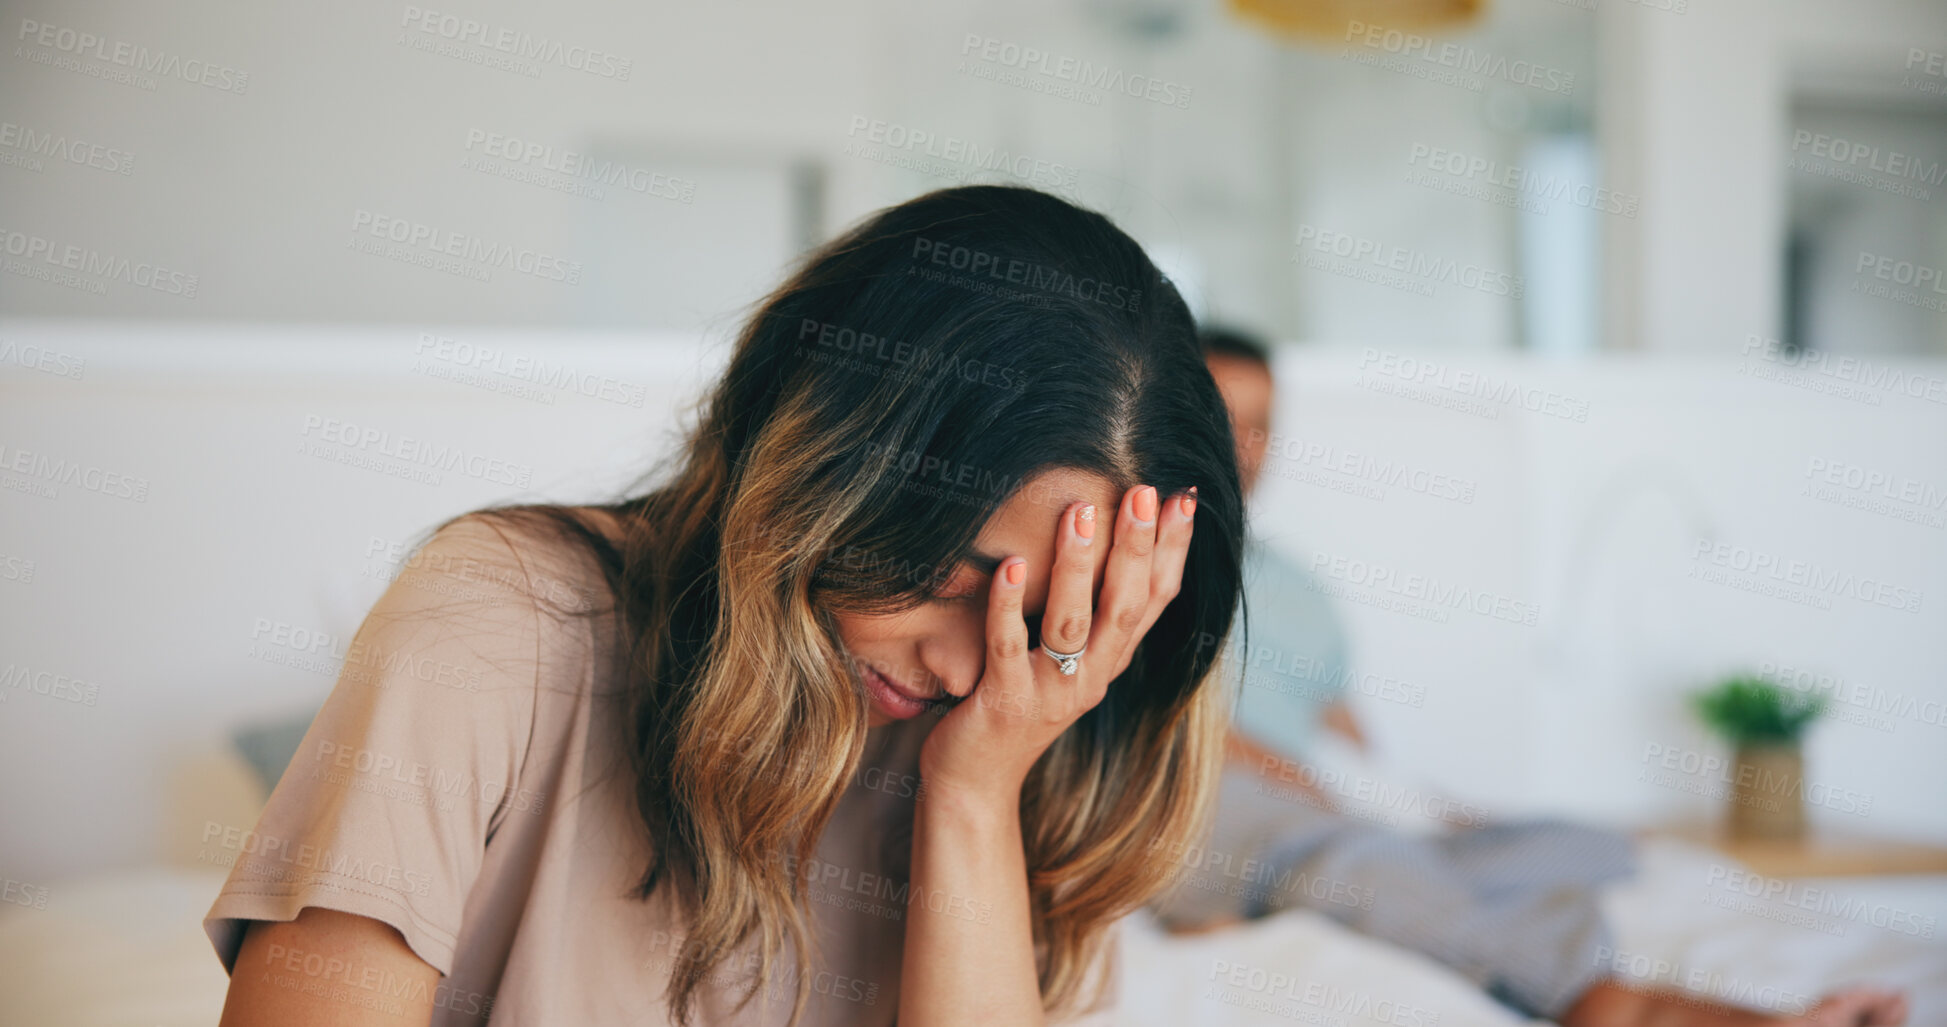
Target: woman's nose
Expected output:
[955,655]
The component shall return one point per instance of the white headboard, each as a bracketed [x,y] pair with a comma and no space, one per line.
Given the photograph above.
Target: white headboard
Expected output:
[277,467]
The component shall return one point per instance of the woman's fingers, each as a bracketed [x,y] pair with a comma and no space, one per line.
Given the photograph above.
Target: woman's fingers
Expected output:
[1172,549]
[1007,633]
[1150,542]
[1069,611]
[1121,612]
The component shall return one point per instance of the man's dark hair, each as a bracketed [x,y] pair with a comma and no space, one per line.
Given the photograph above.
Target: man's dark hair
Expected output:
[1233,342]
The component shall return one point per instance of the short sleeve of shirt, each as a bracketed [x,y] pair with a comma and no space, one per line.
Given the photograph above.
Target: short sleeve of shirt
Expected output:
[1294,668]
[387,807]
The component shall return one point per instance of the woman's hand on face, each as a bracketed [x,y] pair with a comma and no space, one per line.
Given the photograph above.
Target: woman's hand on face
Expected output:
[984,748]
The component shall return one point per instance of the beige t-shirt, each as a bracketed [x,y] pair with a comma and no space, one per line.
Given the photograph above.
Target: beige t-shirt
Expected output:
[461,784]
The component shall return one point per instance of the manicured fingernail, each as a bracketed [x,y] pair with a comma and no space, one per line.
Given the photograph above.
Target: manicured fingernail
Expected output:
[1015,572]
[1190,502]
[1085,522]
[1144,505]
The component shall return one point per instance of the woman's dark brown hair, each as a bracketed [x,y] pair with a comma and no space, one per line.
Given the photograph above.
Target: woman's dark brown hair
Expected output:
[877,409]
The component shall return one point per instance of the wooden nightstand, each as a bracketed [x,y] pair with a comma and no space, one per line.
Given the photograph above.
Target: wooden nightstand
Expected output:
[1820,855]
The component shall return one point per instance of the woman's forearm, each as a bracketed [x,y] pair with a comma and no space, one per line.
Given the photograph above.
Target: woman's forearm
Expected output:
[969,956]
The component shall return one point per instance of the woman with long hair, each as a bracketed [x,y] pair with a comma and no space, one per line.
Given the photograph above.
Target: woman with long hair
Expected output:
[887,699]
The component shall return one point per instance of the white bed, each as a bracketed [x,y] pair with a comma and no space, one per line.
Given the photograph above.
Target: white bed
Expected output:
[128,948]
[1664,930]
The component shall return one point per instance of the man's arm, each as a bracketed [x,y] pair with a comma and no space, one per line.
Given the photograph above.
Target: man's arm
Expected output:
[1338,718]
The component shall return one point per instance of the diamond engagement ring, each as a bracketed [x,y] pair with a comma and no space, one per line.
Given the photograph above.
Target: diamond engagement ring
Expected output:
[1067,661]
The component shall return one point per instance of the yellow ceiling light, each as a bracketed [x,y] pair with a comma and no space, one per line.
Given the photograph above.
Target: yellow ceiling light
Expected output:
[1333,19]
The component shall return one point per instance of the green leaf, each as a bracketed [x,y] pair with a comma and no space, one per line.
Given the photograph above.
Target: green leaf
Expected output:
[1748,710]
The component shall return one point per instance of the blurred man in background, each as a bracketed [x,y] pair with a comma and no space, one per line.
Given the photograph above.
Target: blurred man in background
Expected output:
[1513,906]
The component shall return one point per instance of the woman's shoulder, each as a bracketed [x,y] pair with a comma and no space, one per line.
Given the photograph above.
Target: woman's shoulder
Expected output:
[510,595]
[547,555]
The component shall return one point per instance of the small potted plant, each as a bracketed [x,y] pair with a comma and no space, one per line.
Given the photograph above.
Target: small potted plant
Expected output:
[1763,722]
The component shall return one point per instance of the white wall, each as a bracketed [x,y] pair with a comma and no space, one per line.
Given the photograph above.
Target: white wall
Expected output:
[256,192]
[1694,121]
